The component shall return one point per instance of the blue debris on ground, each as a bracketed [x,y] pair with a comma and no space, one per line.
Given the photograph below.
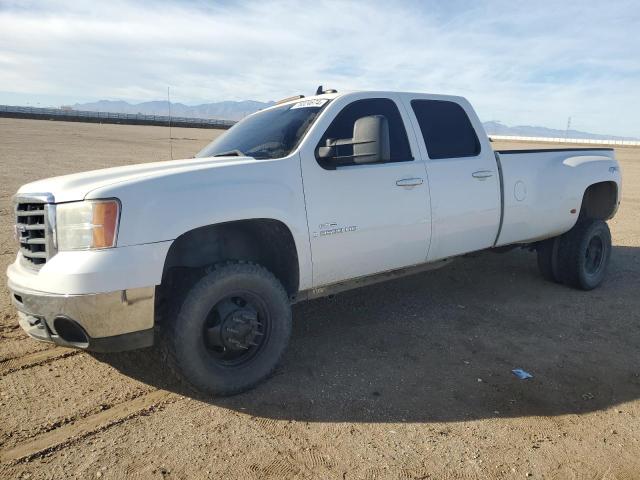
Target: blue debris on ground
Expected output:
[521,374]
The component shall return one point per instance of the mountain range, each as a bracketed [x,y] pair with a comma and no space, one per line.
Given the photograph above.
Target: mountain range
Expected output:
[233,110]
[227,110]
[497,128]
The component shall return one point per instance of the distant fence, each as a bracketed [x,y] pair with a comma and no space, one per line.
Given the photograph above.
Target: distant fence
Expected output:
[107,117]
[165,120]
[565,140]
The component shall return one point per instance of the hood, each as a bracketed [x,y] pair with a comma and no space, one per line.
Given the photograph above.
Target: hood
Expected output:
[69,188]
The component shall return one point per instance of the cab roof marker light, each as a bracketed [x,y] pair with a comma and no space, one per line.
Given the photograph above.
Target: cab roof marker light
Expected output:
[289,99]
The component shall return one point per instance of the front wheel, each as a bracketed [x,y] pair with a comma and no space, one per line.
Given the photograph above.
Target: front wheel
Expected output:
[584,253]
[231,329]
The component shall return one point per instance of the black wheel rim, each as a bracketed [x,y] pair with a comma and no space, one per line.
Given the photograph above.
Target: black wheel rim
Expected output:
[594,255]
[236,329]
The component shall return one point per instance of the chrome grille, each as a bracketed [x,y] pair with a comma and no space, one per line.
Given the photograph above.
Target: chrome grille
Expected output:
[33,231]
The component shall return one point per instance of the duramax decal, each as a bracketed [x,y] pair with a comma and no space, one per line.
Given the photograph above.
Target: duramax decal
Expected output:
[335,231]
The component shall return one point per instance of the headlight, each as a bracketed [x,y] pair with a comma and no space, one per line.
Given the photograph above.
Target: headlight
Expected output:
[86,225]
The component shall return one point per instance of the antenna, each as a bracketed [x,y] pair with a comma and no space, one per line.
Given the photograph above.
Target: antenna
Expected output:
[566,133]
[170,138]
[319,90]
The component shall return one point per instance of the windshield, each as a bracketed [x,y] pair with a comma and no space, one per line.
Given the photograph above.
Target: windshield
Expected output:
[273,133]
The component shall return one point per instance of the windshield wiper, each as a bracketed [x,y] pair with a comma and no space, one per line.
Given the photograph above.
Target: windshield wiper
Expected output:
[230,153]
[266,152]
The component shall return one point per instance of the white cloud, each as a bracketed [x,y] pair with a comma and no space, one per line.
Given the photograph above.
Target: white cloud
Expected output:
[519,62]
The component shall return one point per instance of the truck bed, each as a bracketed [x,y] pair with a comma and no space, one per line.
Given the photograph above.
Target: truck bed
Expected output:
[542,189]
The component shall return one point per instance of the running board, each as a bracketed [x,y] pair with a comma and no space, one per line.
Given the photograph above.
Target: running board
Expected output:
[359,282]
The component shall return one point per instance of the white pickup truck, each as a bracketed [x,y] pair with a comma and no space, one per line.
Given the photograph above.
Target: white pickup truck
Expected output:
[312,196]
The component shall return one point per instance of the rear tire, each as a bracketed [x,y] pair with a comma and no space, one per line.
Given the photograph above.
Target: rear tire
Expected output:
[584,253]
[548,259]
[231,330]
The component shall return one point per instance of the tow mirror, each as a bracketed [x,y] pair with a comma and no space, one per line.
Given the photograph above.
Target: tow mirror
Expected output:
[369,144]
[371,139]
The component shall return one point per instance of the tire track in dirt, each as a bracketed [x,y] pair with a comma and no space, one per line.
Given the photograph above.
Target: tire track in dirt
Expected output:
[284,463]
[280,468]
[75,431]
[314,459]
[78,416]
[269,425]
[34,359]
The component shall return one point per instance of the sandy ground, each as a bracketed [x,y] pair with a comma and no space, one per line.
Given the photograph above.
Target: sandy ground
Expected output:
[407,379]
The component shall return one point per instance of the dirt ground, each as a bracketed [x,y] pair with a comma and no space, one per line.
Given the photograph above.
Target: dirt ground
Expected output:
[407,379]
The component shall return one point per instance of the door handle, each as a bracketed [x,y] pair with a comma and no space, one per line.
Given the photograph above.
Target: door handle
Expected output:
[409,182]
[482,174]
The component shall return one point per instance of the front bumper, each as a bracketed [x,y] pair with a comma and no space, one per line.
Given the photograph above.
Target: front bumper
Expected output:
[93,299]
[113,321]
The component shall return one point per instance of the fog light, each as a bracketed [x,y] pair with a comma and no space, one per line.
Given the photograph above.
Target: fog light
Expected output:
[71,332]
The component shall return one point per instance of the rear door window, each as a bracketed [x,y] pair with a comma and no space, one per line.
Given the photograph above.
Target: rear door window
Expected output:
[446,129]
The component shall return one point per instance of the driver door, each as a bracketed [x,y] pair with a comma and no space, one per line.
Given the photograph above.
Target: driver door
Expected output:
[365,216]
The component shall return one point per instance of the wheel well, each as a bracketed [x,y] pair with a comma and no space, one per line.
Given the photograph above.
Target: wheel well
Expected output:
[264,241]
[600,201]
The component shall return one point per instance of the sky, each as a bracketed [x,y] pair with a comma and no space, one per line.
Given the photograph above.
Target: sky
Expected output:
[519,62]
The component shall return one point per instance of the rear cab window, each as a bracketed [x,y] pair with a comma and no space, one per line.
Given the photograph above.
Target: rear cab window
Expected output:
[446,129]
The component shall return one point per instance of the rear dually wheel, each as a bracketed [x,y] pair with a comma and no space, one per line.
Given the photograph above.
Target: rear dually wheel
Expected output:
[584,253]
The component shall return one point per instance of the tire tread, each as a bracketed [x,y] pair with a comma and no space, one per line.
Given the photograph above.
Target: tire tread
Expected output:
[547,251]
[570,261]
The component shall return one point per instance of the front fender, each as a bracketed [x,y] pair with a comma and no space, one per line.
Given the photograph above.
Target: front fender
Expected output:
[162,207]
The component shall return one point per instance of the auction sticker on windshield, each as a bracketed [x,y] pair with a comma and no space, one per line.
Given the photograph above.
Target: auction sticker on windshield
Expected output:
[314,102]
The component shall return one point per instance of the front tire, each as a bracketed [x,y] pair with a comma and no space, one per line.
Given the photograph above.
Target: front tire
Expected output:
[584,253]
[231,330]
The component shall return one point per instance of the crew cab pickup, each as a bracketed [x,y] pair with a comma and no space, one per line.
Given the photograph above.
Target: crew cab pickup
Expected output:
[204,256]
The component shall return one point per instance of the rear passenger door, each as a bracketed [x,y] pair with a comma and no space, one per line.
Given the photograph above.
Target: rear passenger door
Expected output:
[462,172]
[364,218]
